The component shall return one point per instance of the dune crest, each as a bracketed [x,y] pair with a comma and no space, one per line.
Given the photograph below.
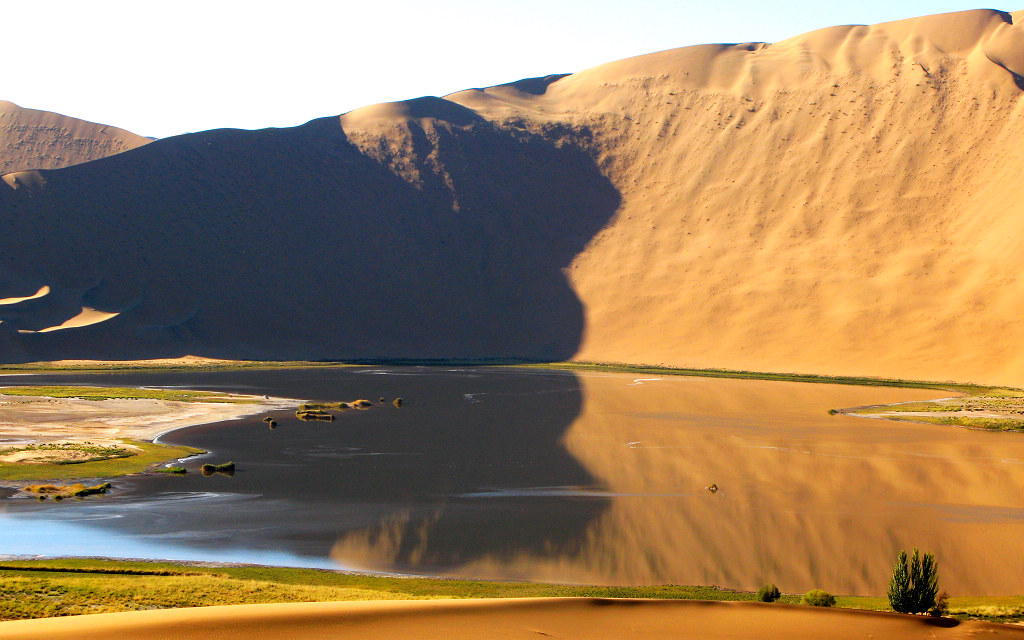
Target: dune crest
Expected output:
[841,202]
[33,139]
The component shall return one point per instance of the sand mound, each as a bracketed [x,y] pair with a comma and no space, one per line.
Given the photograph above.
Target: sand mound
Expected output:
[839,202]
[31,139]
[525,618]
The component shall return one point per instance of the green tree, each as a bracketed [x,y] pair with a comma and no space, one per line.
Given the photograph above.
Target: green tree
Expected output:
[768,593]
[912,589]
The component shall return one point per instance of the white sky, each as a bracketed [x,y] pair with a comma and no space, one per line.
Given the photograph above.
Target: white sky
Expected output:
[163,68]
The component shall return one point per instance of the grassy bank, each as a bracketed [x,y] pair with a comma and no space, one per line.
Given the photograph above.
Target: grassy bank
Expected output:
[996,409]
[145,367]
[146,454]
[126,393]
[762,375]
[44,588]
[134,367]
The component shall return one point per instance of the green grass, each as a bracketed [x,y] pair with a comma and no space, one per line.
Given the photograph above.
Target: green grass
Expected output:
[43,588]
[93,452]
[1007,404]
[129,367]
[992,424]
[150,454]
[760,375]
[107,393]
[134,367]
[58,587]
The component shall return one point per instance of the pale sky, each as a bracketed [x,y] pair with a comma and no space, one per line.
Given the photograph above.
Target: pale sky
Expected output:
[164,68]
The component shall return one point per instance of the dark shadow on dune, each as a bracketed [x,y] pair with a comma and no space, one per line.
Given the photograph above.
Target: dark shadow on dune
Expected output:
[445,237]
[452,476]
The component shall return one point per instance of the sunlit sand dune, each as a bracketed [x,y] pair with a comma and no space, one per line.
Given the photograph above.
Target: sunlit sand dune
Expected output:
[841,202]
[32,139]
[527,618]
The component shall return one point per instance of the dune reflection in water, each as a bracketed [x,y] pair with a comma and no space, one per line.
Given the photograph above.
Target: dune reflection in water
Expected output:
[806,499]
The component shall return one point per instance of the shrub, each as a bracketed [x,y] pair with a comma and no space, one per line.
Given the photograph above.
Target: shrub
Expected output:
[818,598]
[178,470]
[361,404]
[768,593]
[307,416]
[941,606]
[228,469]
[913,589]
[397,402]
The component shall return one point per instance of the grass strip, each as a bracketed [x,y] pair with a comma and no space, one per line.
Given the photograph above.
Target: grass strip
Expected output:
[958,387]
[128,393]
[148,453]
[69,586]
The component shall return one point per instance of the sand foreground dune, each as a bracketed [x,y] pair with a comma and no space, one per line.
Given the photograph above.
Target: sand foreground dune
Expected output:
[591,619]
[842,202]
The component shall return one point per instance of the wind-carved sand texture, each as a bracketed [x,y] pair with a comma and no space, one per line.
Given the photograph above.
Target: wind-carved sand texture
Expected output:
[31,139]
[841,202]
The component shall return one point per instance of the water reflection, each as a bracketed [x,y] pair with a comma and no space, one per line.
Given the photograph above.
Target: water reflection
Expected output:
[299,486]
[806,499]
[592,478]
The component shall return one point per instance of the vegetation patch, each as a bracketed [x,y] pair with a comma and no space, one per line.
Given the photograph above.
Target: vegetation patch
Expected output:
[1000,409]
[129,393]
[144,455]
[763,375]
[173,470]
[818,598]
[59,492]
[308,416]
[227,468]
[63,453]
[69,586]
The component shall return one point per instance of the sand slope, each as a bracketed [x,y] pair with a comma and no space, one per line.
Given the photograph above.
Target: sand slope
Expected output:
[840,202]
[32,139]
[526,618]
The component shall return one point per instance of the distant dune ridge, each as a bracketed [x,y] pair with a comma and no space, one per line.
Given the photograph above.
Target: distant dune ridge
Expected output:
[842,202]
[32,139]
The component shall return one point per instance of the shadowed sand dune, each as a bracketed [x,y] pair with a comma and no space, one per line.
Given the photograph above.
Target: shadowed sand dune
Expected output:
[524,618]
[32,139]
[840,202]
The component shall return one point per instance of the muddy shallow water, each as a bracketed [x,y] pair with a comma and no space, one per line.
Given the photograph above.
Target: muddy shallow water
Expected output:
[567,477]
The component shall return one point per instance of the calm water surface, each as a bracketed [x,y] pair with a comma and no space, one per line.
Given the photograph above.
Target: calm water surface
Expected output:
[556,476]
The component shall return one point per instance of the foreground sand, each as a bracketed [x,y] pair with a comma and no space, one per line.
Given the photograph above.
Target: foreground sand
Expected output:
[494,618]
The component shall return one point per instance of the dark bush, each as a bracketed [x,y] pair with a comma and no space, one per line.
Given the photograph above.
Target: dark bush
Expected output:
[768,593]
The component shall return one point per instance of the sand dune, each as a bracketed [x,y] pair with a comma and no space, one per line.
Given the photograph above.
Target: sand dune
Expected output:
[839,202]
[31,139]
[525,618]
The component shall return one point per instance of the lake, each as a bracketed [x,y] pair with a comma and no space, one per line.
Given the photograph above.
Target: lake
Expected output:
[585,477]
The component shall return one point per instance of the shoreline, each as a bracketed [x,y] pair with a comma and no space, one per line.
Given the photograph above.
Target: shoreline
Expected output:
[190,363]
[39,433]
